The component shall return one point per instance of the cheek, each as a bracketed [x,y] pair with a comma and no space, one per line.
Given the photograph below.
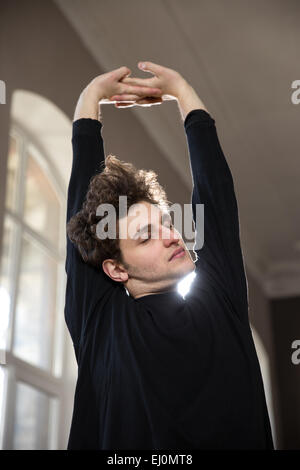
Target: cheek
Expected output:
[150,258]
[142,258]
[156,259]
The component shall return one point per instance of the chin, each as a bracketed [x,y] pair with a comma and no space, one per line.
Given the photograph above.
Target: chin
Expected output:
[190,267]
[185,268]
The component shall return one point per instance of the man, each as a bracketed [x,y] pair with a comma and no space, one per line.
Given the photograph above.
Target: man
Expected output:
[156,370]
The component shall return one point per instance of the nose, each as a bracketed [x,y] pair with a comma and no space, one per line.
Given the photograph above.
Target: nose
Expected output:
[170,236]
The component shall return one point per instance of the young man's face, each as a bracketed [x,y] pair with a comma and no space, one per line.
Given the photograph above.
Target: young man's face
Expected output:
[147,253]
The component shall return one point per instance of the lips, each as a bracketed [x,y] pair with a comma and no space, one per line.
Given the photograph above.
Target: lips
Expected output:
[176,252]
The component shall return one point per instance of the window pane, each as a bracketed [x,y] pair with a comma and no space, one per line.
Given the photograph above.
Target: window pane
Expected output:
[33,419]
[36,302]
[6,278]
[13,165]
[42,207]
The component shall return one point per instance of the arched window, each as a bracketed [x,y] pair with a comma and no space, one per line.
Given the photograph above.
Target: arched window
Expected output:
[32,286]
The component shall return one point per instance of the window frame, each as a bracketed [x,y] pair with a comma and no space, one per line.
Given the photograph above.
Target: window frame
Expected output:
[54,382]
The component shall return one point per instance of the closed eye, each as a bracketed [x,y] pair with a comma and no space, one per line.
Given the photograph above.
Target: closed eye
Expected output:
[168,224]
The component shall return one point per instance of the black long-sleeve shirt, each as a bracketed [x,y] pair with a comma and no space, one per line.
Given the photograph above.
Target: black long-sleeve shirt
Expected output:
[163,371]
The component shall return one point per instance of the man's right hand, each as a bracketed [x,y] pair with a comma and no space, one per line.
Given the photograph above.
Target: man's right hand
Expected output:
[107,85]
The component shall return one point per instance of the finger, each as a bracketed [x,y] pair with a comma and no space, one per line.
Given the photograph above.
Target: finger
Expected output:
[141,102]
[149,99]
[124,105]
[148,66]
[135,81]
[136,99]
[140,90]
[121,72]
[124,97]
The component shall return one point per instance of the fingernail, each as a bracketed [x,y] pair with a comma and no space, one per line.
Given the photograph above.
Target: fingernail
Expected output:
[142,65]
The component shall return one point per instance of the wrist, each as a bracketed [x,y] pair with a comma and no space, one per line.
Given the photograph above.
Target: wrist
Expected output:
[184,89]
[87,105]
[188,100]
[92,92]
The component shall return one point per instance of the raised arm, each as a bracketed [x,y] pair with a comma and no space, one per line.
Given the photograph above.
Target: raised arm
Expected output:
[87,141]
[84,282]
[87,284]
[220,259]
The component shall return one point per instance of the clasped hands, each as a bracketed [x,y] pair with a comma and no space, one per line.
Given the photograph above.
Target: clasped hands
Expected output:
[125,91]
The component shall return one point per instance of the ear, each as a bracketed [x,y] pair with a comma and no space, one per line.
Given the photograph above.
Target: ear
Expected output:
[114,270]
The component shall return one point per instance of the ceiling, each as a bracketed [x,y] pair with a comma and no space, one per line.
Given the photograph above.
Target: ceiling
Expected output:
[241,57]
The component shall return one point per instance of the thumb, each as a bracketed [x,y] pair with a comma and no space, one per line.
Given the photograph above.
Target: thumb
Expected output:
[122,72]
[150,67]
[143,66]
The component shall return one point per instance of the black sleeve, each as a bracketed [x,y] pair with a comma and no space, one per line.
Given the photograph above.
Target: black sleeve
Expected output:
[86,285]
[220,259]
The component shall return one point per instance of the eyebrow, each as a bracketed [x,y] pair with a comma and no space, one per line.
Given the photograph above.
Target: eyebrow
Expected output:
[143,229]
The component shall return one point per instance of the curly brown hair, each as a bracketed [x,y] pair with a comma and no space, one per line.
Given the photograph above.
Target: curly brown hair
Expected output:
[116,179]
